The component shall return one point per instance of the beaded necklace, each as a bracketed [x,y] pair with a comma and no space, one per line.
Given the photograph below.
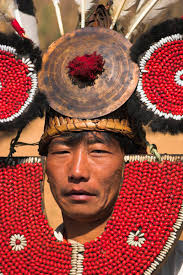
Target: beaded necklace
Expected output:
[146,221]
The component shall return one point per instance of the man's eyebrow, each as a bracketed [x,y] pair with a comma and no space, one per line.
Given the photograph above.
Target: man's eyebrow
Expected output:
[96,139]
[70,141]
[58,142]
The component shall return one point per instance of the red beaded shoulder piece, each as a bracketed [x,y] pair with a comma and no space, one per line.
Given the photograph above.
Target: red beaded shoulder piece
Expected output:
[146,222]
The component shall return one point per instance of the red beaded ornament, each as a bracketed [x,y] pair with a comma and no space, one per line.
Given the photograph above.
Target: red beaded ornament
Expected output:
[146,220]
[161,80]
[18,84]
[21,215]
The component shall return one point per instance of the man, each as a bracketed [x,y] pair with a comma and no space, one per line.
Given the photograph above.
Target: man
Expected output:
[112,224]
[85,174]
[84,171]
[88,130]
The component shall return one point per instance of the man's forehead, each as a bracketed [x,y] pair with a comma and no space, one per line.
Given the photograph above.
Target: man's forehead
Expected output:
[88,137]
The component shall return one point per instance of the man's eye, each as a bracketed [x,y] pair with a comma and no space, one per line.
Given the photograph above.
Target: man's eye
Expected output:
[99,151]
[60,152]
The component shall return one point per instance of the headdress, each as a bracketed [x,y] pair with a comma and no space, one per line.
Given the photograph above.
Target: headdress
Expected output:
[92,78]
[72,88]
[147,217]
[84,101]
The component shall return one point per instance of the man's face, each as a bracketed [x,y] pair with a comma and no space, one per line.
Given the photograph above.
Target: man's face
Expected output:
[85,176]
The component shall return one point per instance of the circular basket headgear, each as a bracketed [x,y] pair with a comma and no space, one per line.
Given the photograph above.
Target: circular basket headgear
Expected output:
[107,93]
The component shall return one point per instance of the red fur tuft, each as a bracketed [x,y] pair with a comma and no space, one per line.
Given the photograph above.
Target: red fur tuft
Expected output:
[86,67]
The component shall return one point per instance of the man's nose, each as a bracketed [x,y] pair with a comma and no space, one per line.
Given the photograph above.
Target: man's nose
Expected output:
[79,169]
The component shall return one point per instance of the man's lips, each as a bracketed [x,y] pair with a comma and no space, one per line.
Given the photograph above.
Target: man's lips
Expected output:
[79,192]
[79,195]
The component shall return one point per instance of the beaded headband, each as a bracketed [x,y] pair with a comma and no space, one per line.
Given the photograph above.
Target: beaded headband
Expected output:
[159,54]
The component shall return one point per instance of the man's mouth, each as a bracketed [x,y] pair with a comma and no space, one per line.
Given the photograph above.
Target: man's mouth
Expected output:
[79,195]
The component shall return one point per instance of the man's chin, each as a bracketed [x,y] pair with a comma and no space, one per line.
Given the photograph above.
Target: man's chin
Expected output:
[86,215]
[81,216]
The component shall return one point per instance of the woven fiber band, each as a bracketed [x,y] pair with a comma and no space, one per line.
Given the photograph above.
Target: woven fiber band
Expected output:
[60,124]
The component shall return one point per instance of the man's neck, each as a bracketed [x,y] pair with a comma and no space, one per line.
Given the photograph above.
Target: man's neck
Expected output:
[83,232]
